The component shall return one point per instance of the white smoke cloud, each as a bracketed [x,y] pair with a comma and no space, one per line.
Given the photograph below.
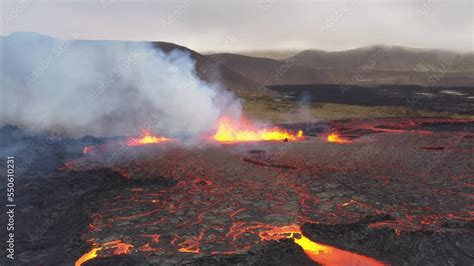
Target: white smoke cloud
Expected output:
[105,88]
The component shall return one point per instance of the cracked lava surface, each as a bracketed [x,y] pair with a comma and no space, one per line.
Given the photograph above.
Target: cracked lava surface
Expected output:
[228,198]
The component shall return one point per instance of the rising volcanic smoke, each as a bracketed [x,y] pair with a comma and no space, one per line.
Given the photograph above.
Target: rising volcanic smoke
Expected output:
[106,88]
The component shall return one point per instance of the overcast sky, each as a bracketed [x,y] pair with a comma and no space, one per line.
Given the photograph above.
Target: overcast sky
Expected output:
[216,26]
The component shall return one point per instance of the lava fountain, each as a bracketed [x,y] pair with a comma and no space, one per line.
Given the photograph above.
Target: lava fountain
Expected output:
[230,130]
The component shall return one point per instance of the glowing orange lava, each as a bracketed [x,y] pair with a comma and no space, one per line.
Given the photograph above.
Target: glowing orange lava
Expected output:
[146,138]
[322,254]
[118,246]
[334,137]
[88,256]
[242,131]
[86,150]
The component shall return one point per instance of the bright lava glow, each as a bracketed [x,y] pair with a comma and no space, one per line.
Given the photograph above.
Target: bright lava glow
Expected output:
[334,137]
[88,256]
[241,131]
[322,254]
[86,150]
[146,138]
[118,246]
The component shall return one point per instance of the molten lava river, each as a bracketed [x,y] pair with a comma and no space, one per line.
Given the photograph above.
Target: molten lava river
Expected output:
[225,199]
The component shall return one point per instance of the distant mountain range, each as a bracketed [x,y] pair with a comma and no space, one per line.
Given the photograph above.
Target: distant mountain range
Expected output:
[372,65]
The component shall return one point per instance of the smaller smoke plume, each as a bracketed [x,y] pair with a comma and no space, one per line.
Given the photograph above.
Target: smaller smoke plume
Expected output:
[106,88]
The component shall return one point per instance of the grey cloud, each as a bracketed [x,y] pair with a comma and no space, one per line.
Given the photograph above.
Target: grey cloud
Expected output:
[256,25]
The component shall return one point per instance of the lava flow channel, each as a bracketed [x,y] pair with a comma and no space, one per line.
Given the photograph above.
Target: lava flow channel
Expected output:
[243,131]
[322,254]
[117,246]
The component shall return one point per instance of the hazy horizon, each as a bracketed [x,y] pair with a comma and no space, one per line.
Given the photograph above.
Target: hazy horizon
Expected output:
[244,26]
[260,51]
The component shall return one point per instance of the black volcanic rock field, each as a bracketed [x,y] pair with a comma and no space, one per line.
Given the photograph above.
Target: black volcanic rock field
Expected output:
[399,192]
[458,100]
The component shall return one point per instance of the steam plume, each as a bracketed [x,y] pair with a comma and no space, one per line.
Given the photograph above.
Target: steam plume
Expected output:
[105,88]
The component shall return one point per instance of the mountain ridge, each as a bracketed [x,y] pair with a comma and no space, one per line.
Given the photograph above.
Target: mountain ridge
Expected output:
[369,65]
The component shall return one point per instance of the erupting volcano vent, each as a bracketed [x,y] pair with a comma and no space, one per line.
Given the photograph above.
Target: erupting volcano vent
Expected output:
[335,137]
[229,131]
[147,138]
